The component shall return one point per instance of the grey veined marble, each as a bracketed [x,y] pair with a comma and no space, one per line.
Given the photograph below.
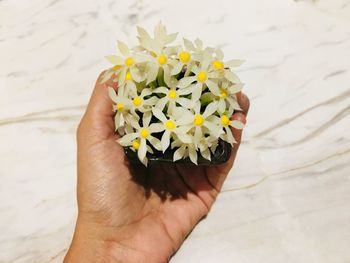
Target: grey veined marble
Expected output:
[288,198]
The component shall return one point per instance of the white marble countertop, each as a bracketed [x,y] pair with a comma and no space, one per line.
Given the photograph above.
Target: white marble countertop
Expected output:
[288,198]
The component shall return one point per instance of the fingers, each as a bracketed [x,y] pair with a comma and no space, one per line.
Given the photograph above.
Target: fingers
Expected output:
[243,102]
[241,116]
[100,104]
[98,118]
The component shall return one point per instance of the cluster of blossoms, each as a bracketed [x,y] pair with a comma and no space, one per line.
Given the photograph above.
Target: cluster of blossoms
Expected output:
[177,98]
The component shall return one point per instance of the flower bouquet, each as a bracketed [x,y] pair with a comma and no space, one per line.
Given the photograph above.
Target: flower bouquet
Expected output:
[174,102]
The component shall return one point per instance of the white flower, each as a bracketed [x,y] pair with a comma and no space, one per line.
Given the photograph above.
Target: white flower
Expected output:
[200,122]
[122,107]
[173,96]
[202,77]
[184,150]
[126,64]
[160,60]
[183,59]
[161,38]
[138,140]
[197,49]
[224,67]
[225,122]
[169,127]
[140,103]
[226,98]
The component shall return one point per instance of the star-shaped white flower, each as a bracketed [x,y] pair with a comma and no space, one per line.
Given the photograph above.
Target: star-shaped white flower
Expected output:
[170,127]
[200,122]
[138,140]
[173,95]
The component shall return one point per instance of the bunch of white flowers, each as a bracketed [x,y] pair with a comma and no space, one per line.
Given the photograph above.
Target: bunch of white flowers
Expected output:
[178,97]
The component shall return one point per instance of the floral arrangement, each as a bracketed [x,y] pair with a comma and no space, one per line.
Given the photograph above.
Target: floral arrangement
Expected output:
[173,97]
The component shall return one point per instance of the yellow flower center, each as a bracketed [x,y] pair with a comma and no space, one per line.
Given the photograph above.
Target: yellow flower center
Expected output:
[162,59]
[223,93]
[128,76]
[137,101]
[202,76]
[225,120]
[184,56]
[129,61]
[119,106]
[218,65]
[170,124]
[136,144]
[198,120]
[172,94]
[144,133]
[116,67]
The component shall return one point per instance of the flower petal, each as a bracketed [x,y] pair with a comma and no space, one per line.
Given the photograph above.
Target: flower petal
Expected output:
[127,139]
[193,155]
[163,90]
[179,153]
[185,82]
[141,153]
[237,124]
[156,127]
[213,87]
[159,114]
[234,63]
[115,60]
[161,103]
[177,68]
[155,142]
[123,48]
[231,76]
[210,109]
[112,94]
[165,140]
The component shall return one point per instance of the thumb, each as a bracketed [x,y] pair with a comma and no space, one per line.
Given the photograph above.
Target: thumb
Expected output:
[97,122]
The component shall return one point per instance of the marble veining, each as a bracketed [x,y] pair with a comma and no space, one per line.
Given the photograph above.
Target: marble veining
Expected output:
[288,197]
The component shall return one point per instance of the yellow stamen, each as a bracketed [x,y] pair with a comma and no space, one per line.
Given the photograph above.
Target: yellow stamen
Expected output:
[136,144]
[172,94]
[225,120]
[119,106]
[184,56]
[217,64]
[223,93]
[170,124]
[128,76]
[129,61]
[137,101]
[162,59]
[144,133]
[116,67]
[202,76]
[198,120]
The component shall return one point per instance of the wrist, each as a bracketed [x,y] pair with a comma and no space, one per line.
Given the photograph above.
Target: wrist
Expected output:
[86,246]
[98,244]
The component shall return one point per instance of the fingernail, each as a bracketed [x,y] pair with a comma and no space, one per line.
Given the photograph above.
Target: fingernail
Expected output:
[239,95]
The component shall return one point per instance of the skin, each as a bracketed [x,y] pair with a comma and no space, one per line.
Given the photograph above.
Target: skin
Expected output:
[129,213]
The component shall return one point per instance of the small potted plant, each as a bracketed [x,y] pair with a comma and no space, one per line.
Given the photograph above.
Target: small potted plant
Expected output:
[174,102]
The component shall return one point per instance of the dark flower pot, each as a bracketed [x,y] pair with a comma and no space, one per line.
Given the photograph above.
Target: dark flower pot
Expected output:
[220,156]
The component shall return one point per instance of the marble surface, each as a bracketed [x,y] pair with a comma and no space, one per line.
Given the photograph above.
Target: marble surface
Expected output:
[288,197]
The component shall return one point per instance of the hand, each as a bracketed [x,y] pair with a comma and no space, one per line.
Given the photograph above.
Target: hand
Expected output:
[129,213]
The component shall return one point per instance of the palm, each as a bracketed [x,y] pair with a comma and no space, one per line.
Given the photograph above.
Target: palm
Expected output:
[159,204]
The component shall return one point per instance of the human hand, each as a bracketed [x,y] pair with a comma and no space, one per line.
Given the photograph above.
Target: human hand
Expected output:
[130,213]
